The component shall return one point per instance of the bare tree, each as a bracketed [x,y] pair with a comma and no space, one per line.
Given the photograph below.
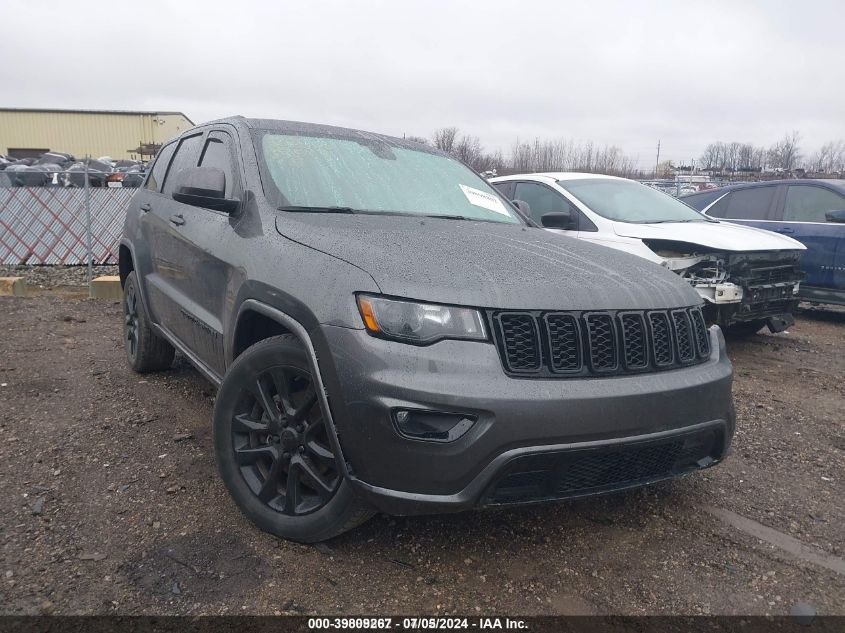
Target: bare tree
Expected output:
[665,169]
[785,154]
[829,159]
[565,155]
[444,139]
[468,149]
[417,139]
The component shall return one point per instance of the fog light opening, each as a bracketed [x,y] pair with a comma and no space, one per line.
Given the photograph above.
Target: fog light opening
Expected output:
[432,426]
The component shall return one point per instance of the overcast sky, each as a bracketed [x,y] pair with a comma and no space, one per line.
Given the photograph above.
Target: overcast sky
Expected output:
[623,73]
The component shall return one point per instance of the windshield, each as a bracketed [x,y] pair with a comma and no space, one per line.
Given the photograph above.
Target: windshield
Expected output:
[370,174]
[629,201]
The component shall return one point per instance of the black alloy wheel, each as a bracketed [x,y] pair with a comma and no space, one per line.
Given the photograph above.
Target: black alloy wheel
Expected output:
[145,350]
[281,444]
[274,447]
[130,322]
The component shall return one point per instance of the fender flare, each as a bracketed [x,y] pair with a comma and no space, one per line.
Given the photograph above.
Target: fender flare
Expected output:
[141,286]
[296,328]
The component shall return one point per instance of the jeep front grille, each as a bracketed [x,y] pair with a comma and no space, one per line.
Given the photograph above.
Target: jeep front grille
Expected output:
[567,344]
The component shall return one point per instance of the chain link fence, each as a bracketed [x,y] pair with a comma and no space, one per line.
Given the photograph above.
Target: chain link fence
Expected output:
[61,225]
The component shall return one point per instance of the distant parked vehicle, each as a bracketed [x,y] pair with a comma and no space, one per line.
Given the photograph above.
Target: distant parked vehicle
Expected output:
[57,169]
[810,211]
[747,277]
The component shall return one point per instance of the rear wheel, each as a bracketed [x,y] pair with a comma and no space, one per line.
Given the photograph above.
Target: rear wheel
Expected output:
[145,350]
[273,447]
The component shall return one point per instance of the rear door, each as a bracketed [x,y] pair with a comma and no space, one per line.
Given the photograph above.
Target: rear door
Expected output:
[150,203]
[801,215]
[751,206]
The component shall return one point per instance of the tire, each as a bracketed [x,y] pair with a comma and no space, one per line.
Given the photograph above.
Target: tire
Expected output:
[273,450]
[744,328]
[145,350]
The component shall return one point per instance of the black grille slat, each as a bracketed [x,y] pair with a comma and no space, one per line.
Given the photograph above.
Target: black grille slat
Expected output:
[564,342]
[522,349]
[635,352]
[536,344]
[702,337]
[601,335]
[661,336]
[683,335]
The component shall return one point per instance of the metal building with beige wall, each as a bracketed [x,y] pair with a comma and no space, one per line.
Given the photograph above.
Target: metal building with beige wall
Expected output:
[115,133]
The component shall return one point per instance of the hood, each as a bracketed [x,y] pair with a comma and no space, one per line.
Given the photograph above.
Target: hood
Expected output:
[488,265]
[717,235]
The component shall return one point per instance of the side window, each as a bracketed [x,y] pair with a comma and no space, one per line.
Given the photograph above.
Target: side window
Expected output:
[702,199]
[218,153]
[805,203]
[542,200]
[719,209]
[750,204]
[187,155]
[505,188]
[156,177]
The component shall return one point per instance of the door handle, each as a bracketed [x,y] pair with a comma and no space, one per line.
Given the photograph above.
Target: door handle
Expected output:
[785,229]
[146,207]
[177,219]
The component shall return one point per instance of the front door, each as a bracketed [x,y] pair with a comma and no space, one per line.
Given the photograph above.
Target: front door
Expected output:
[802,216]
[542,199]
[194,253]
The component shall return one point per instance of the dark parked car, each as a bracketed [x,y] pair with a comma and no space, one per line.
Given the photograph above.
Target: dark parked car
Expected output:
[810,211]
[388,333]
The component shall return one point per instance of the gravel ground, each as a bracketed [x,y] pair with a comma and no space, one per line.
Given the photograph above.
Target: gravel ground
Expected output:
[111,502]
[53,276]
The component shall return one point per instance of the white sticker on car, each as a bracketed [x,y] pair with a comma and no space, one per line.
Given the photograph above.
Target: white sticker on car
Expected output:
[486,200]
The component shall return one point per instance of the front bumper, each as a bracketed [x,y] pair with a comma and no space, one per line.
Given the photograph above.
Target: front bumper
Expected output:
[523,425]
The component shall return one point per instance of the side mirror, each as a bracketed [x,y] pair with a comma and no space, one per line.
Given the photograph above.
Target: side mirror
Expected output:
[836,216]
[203,187]
[559,220]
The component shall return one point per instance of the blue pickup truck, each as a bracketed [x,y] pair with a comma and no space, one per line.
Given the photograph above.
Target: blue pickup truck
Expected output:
[811,211]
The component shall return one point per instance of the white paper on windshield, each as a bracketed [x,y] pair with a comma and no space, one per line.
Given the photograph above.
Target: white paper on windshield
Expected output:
[486,200]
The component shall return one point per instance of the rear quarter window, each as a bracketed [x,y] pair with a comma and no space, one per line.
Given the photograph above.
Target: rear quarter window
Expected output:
[750,204]
[701,200]
[156,177]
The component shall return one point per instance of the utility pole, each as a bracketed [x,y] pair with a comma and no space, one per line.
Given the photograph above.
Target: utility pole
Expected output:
[657,162]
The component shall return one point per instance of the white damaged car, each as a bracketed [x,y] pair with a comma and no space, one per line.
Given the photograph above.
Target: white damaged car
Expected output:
[747,277]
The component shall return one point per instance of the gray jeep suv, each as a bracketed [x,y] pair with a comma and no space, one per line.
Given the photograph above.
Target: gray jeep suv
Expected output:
[389,333]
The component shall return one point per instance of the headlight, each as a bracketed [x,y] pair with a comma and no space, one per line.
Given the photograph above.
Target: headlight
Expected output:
[419,323]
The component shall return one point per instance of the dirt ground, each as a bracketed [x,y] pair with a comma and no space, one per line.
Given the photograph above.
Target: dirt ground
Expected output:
[50,277]
[111,502]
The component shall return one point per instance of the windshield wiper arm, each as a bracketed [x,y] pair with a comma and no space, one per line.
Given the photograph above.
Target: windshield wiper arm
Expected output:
[448,217]
[672,221]
[300,209]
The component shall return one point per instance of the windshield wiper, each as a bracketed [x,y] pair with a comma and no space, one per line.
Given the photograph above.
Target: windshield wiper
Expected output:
[673,221]
[298,209]
[448,217]
[461,217]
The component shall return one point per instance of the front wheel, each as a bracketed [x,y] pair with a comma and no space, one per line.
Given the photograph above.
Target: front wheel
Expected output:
[273,448]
